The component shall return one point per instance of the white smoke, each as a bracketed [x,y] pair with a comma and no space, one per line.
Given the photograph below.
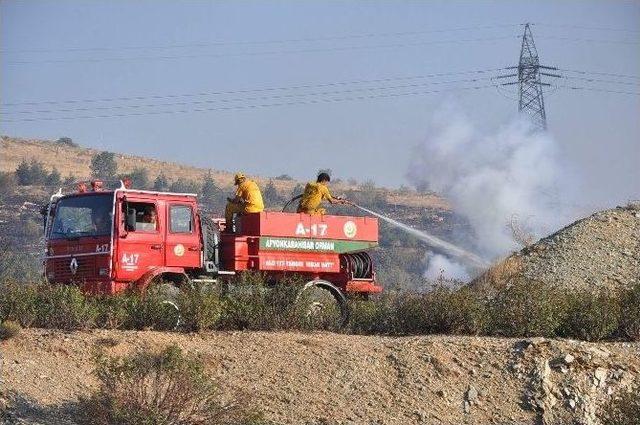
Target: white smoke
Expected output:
[441,267]
[491,178]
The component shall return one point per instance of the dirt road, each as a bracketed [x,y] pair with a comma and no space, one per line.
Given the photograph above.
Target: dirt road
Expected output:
[325,378]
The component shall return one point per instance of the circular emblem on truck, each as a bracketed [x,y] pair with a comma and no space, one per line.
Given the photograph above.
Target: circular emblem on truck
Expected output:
[350,229]
[178,250]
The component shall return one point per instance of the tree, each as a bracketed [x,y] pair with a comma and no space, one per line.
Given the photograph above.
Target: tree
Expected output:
[53,179]
[184,186]
[23,173]
[104,165]
[139,177]
[67,141]
[271,195]
[30,173]
[70,179]
[161,184]
[211,193]
[284,177]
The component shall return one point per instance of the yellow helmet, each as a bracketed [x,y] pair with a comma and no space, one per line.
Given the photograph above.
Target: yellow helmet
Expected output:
[238,178]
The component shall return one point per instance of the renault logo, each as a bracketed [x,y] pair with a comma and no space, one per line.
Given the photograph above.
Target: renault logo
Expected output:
[73,266]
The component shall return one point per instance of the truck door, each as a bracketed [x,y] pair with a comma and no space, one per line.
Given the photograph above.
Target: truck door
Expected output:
[183,247]
[140,245]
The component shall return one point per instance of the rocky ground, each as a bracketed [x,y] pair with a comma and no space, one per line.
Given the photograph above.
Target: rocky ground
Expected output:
[599,251]
[326,378]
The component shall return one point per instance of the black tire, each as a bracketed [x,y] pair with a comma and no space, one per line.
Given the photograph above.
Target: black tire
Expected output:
[322,306]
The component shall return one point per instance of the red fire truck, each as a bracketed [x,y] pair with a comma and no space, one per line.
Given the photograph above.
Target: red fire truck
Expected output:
[110,240]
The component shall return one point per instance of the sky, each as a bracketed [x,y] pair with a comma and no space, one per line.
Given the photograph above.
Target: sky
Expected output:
[218,84]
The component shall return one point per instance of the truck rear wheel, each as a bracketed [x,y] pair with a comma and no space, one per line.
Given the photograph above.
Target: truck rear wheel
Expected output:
[322,305]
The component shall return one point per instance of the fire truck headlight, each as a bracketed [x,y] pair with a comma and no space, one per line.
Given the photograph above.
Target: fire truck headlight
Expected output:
[103,272]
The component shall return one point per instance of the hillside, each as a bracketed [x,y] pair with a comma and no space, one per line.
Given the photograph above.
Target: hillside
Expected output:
[75,161]
[324,378]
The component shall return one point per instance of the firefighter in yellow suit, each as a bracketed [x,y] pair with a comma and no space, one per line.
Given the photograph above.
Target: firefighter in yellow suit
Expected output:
[315,193]
[248,198]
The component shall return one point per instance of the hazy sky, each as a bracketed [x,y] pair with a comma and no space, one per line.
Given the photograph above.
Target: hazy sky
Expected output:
[167,53]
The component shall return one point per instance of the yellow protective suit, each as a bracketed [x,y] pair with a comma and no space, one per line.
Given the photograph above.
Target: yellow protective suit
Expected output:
[250,193]
[314,194]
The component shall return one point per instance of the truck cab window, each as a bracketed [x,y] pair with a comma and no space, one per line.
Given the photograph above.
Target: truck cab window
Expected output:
[181,219]
[146,216]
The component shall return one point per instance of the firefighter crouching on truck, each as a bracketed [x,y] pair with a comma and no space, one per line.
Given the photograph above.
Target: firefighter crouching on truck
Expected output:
[315,193]
[248,199]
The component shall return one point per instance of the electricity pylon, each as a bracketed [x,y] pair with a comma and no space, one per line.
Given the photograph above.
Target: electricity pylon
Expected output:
[531,98]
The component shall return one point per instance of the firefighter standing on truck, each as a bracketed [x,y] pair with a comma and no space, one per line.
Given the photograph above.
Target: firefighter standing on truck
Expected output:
[248,199]
[315,193]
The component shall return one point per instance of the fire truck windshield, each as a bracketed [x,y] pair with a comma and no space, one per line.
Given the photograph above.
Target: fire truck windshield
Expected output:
[84,215]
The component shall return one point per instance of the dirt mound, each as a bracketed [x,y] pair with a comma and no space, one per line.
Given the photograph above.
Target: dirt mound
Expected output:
[325,378]
[601,251]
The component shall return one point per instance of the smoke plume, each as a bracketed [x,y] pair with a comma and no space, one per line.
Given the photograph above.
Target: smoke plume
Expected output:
[489,179]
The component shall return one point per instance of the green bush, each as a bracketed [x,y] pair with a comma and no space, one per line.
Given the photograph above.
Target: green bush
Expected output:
[526,308]
[375,316]
[115,311]
[18,303]
[200,307]
[9,329]
[258,307]
[64,307]
[591,316]
[630,313]
[162,388]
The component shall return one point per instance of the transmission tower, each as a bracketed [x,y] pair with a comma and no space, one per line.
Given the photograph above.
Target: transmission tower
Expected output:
[530,84]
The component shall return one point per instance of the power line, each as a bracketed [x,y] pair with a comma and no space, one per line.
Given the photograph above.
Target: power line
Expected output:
[265,53]
[581,27]
[598,80]
[599,90]
[588,40]
[255,106]
[261,42]
[210,101]
[266,89]
[608,74]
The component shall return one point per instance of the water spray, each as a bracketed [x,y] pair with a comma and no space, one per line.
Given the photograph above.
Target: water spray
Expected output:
[451,250]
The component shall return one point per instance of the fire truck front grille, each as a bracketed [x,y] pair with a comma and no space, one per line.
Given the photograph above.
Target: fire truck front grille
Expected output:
[64,271]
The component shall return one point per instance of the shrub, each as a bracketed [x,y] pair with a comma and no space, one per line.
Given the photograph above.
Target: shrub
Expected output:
[159,388]
[200,307]
[623,408]
[64,307]
[465,312]
[630,312]
[115,311]
[526,308]
[18,303]
[258,307]
[591,316]
[374,316]
[9,329]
